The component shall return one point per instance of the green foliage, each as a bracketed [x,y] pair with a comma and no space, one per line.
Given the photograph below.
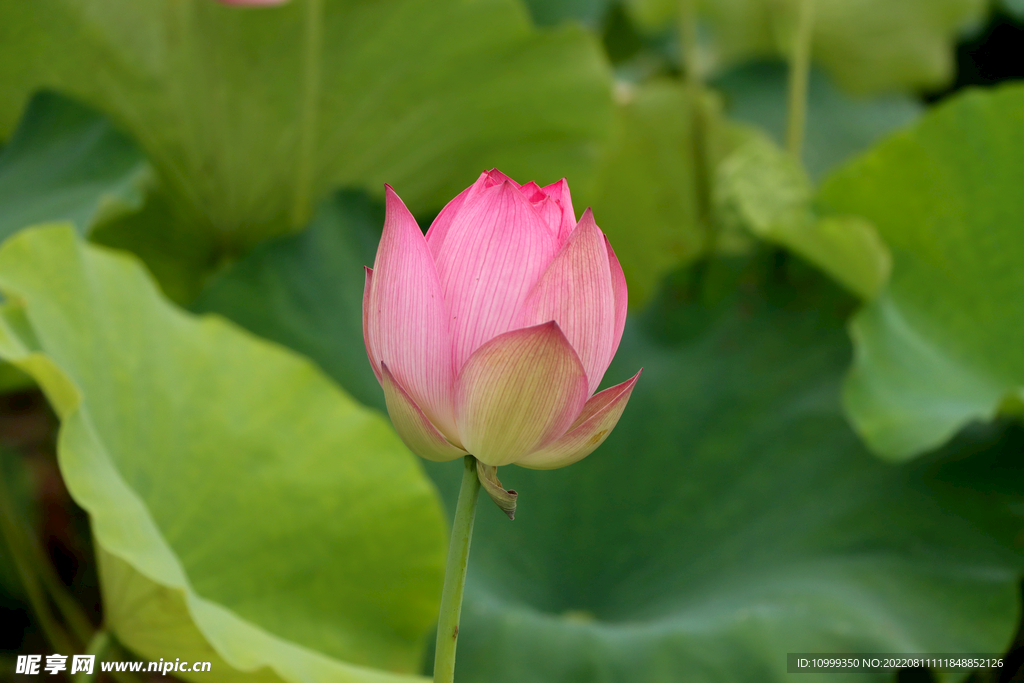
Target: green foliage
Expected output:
[866,45]
[250,115]
[763,189]
[645,197]
[18,505]
[587,12]
[176,249]
[731,516]
[66,163]
[305,291]
[838,125]
[943,344]
[246,511]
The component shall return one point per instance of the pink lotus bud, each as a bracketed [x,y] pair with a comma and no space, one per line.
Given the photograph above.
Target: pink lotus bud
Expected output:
[490,334]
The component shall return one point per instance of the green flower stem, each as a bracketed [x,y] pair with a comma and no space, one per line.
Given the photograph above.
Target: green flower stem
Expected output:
[18,547]
[98,646]
[799,68]
[455,575]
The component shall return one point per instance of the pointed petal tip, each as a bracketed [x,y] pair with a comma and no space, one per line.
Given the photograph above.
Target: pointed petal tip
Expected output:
[597,420]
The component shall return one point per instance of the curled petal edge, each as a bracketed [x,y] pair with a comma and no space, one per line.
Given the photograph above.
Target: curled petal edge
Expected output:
[591,428]
[418,433]
[366,322]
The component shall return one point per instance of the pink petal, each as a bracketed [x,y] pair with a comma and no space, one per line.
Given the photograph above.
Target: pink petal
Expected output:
[532,192]
[438,230]
[405,318]
[621,295]
[517,392]
[495,250]
[366,322]
[559,193]
[576,292]
[591,428]
[412,425]
[550,214]
[496,177]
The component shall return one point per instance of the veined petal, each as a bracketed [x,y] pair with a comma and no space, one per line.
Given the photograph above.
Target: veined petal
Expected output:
[412,425]
[576,292]
[559,193]
[532,192]
[405,318]
[518,391]
[438,230]
[366,321]
[591,428]
[550,214]
[495,250]
[621,295]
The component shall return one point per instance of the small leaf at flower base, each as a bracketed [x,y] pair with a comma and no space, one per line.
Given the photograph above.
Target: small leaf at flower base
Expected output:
[943,345]
[67,163]
[246,511]
[504,498]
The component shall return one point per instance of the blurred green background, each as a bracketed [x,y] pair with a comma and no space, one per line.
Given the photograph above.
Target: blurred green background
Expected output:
[824,453]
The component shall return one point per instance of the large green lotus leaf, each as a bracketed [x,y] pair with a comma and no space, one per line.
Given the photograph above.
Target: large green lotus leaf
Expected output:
[765,190]
[305,290]
[251,114]
[943,344]
[64,162]
[587,12]
[179,251]
[838,126]
[731,517]
[866,45]
[646,196]
[247,511]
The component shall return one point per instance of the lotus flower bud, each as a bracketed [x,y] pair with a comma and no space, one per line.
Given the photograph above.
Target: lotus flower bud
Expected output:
[490,335]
